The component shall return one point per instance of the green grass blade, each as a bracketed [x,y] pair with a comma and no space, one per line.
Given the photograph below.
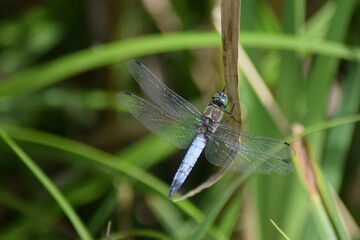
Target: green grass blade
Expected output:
[323,72]
[141,233]
[50,187]
[218,203]
[317,26]
[299,44]
[231,214]
[279,230]
[103,161]
[289,84]
[339,139]
[149,154]
[100,159]
[322,221]
[47,74]
[331,209]
[25,209]
[169,217]
[306,164]
[328,219]
[326,125]
[102,214]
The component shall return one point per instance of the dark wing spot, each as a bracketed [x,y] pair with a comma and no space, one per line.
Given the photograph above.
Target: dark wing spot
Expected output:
[137,62]
[285,161]
[128,93]
[287,143]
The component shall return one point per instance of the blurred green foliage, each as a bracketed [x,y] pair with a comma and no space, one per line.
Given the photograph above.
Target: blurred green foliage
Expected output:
[61,64]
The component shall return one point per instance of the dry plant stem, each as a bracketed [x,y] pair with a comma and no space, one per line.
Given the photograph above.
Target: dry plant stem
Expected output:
[208,183]
[303,162]
[306,172]
[230,25]
[314,183]
[108,229]
[263,93]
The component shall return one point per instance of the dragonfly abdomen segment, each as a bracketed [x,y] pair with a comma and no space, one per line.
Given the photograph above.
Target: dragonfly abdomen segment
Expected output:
[187,163]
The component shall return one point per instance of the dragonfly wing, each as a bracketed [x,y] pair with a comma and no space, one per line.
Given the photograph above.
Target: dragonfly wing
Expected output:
[164,97]
[252,154]
[178,131]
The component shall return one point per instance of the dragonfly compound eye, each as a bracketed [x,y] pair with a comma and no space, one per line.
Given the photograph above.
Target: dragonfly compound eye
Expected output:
[224,99]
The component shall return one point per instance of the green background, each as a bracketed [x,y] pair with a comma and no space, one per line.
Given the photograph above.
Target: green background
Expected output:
[71,159]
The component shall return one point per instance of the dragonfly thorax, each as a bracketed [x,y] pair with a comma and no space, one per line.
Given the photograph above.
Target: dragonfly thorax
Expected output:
[210,120]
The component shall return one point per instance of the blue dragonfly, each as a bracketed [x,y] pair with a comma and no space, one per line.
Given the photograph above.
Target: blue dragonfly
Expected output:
[177,121]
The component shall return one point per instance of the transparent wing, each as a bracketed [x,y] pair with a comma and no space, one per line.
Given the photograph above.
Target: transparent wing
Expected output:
[178,131]
[164,97]
[253,154]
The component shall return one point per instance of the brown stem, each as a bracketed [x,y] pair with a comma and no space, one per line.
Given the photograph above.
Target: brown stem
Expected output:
[230,25]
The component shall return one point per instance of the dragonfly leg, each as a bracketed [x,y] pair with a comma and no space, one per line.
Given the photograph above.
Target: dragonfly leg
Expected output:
[232,108]
[231,117]
[231,111]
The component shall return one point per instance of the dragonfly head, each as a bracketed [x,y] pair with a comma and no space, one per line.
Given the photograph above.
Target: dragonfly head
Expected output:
[220,99]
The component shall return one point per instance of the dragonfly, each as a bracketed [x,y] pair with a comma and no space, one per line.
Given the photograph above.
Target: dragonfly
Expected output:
[177,121]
